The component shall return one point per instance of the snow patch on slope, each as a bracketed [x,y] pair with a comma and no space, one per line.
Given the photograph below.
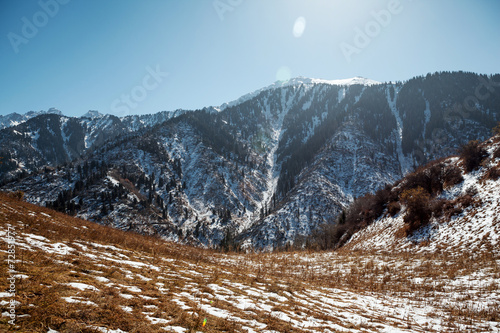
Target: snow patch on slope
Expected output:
[405,163]
[475,230]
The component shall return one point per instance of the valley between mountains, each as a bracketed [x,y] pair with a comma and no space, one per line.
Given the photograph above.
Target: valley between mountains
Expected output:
[307,206]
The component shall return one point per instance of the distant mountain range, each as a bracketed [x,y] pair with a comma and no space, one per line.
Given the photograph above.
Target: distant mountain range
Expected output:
[262,171]
[14,119]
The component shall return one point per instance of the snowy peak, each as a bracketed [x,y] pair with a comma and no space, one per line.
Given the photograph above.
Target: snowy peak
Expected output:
[93,114]
[32,114]
[352,81]
[14,119]
[302,81]
[11,119]
[211,109]
[342,82]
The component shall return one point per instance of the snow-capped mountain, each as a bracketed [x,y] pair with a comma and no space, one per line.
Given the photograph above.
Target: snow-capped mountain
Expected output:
[92,114]
[301,81]
[50,138]
[132,122]
[14,119]
[261,171]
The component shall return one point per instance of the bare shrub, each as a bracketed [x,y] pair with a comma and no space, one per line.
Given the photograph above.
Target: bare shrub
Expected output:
[437,206]
[418,211]
[457,206]
[18,195]
[403,232]
[452,176]
[465,201]
[393,208]
[451,208]
[472,154]
[429,177]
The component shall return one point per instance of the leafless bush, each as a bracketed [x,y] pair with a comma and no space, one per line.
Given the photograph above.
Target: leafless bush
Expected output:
[452,176]
[18,195]
[496,153]
[393,208]
[418,210]
[472,154]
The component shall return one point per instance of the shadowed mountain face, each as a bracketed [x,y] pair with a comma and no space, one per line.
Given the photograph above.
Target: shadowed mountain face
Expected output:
[265,170]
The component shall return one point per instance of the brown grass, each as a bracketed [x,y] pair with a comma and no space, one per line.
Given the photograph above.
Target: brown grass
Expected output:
[390,274]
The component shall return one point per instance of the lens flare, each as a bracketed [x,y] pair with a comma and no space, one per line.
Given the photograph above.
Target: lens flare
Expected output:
[299,27]
[283,74]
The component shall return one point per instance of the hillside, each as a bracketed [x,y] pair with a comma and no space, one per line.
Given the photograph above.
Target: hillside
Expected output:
[453,217]
[76,276]
[48,138]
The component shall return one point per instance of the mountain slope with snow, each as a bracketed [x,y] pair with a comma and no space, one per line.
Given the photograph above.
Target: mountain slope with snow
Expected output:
[261,173]
[52,139]
[469,222]
[14,119]
[301,81]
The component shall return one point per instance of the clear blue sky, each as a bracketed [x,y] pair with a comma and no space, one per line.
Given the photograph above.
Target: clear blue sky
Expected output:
[91,54]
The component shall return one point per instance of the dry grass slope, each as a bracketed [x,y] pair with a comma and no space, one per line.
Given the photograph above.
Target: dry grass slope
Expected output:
[76,276]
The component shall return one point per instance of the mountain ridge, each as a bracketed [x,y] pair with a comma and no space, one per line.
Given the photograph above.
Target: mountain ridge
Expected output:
[5,120]
[297,81]
[264,172]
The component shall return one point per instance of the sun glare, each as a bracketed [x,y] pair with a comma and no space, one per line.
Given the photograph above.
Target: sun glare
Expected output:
[299,27]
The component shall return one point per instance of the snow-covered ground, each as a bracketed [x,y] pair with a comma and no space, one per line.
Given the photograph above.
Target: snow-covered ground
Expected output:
[476,229]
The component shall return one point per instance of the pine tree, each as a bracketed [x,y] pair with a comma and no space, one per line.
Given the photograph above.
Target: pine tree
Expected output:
[104,210]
